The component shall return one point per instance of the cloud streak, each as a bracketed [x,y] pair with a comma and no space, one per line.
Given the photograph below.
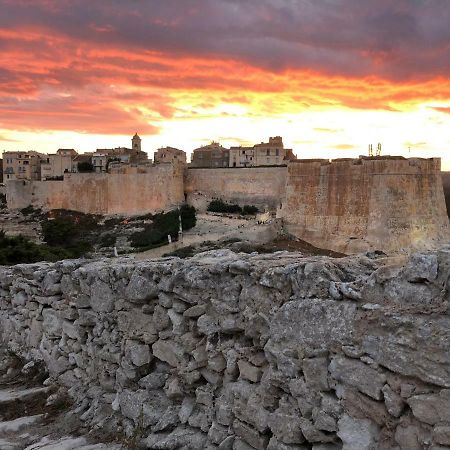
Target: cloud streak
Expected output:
[108,65]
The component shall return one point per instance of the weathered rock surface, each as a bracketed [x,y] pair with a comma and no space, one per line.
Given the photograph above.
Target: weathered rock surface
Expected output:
[237,351]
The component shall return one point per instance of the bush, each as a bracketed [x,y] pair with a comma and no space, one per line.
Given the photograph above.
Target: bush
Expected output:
[18,250]
[28,210]
[163,224]
[249,210]
[85,167]
[3,203]
[70,231]
[220,206]
[108,240]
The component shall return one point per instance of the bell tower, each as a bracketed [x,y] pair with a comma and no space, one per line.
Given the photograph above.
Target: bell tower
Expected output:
[136,143]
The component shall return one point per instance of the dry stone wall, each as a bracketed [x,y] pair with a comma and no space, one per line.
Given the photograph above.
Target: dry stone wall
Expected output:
[235,351]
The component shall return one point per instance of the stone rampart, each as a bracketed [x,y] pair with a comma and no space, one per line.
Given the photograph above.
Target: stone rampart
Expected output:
[368,203]
[260,186]
[446,183]
[91,193]
[242,351]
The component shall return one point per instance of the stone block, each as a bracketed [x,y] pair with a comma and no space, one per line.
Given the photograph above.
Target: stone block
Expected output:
[358,434]
[316,373]
[250,435]
[169,351]
[248,371]
[431,408]
[355,373]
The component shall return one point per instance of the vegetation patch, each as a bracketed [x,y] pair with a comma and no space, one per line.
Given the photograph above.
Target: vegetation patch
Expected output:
[3,204]
[19,250]
[219,206]
[164,224]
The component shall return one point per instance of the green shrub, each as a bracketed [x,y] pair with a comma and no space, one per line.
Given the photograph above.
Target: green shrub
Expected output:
[249,210]
[85,167]
[218,205]
[108,240]
[19,250]
[28,210]
[188,217]
[164,224]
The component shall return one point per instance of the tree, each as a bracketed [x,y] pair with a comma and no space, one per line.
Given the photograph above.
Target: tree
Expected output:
[85,167]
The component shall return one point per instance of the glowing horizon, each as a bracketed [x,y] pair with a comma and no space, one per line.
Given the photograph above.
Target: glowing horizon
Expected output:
[84,79]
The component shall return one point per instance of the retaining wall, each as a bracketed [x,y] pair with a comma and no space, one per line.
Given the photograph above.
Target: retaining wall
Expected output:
[243,351]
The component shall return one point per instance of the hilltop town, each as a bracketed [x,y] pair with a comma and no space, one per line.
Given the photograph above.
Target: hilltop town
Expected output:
[345,205]
[35,166]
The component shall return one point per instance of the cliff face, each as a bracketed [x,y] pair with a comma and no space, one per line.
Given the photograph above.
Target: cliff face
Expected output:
[244,351]
[362,204]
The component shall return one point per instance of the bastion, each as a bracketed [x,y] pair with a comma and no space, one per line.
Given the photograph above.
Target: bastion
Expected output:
[352,205]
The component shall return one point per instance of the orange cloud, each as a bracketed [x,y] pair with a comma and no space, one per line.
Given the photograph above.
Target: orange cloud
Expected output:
[51,82]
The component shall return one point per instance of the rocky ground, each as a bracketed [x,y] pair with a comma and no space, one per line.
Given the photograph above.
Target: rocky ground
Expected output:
[37,415]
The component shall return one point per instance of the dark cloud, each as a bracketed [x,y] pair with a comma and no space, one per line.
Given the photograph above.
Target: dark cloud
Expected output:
[401,39]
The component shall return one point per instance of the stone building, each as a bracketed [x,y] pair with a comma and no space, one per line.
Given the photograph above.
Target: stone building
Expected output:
[169,155]
[270,153]
[22,165]
[211,155]
[57,164]
[80,159]
[134,155]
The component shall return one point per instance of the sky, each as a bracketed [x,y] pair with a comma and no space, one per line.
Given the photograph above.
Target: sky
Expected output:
[330,76]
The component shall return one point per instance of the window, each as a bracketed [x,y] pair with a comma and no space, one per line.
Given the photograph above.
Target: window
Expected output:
[268,152]
[277,152]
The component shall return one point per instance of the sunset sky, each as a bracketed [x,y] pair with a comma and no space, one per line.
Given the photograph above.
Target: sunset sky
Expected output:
[330,76]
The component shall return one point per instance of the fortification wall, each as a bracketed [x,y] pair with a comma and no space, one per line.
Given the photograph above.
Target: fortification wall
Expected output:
[128,194]
[266,351]
[446,183]
[260,186]
[361,204]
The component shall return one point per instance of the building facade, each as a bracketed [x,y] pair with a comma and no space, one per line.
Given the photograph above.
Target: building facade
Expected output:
[22,165]
[270,153]
[56,165]
[169,155]
[102,158]
[211,155]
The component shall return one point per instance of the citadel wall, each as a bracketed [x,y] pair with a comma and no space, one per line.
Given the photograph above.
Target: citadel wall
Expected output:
[446,183]
[161,187]
[260,186]
[226,350]
[347,205]
[359,204]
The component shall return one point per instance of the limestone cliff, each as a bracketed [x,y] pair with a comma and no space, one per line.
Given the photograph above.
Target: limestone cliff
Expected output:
[235,351]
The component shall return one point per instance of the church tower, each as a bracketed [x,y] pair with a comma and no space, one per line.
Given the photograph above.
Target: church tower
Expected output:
[136,143]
